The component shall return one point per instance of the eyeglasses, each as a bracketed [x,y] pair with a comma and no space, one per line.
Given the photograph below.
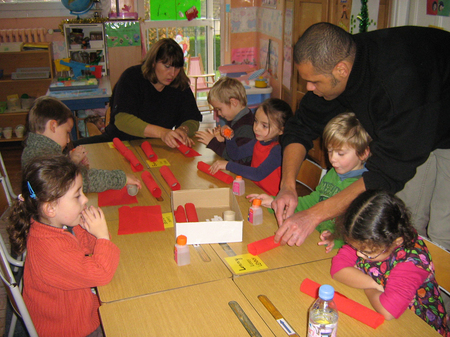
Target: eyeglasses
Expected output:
[367,256]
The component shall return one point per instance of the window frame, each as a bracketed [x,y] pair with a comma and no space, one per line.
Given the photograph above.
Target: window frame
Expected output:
[38,10]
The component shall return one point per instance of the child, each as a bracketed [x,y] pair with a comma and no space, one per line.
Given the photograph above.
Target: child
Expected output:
[384,256]
[229,99]
[348,149]
[49,123]
[68,248]
[265,150]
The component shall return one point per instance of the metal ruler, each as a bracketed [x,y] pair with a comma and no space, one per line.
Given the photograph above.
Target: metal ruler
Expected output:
[248,325]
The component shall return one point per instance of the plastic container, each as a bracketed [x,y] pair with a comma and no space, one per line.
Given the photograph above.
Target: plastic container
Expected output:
[238,186]
[182,255]
[323,314]
[255,215]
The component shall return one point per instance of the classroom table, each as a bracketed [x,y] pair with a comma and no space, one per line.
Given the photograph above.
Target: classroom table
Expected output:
[282,287]
[198,310]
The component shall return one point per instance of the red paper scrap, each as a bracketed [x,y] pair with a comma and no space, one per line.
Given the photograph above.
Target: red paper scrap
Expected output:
[186,150]
[140,219]
[346,305]
[115,198]
[226,178]
[261,246]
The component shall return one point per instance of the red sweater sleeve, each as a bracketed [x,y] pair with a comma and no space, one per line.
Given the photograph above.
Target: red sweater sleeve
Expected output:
[401,287]
[346,257]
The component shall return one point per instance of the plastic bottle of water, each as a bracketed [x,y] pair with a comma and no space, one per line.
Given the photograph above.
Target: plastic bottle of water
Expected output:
[323,315]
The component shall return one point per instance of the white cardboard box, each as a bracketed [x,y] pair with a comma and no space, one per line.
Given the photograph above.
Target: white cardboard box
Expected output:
[208,203]
[6,47]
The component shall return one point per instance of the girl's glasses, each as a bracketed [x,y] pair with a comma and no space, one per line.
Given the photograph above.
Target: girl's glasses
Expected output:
[367,256]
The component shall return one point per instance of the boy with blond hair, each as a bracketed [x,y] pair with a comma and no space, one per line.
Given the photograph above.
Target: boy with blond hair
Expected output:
[229,99]
[347,143]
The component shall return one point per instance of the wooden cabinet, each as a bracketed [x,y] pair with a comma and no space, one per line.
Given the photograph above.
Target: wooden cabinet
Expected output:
[9,62]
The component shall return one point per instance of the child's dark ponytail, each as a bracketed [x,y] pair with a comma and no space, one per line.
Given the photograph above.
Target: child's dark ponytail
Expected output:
[45,179]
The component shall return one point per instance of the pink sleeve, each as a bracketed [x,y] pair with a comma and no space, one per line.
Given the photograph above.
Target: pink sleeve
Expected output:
[346,257]
[401,287]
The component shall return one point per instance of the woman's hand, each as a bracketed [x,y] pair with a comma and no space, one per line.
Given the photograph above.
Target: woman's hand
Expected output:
[218,165]
[183,131]
[266,200]
[170,137]
[93,220]
[204,137]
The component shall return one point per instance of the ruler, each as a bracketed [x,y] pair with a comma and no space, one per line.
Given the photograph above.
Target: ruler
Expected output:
[277,315]
[248,325]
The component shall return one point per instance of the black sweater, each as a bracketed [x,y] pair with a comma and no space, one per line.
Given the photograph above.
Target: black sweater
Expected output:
[399,88]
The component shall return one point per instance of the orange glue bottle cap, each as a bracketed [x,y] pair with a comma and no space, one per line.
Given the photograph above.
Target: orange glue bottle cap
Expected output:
[227,132]
[238,177]
[256,202]
[181,240]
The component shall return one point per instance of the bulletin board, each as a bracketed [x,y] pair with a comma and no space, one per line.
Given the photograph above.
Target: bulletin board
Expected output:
[122,33]
[171,9]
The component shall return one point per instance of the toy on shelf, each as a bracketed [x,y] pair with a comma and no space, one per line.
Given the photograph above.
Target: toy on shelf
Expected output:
[77,67]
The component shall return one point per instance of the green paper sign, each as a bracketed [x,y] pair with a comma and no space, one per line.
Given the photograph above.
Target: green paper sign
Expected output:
[122,34]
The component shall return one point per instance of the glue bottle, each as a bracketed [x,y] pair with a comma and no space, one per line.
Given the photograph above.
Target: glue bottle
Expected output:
[255,215]
[323,314]
[238,186]
[182,256]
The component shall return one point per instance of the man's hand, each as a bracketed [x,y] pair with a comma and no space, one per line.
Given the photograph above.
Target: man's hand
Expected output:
[296,229]
[284,204]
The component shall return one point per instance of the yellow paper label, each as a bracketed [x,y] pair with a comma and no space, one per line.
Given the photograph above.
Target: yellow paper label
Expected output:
[158,163]
[167,220]
[245,263]
[126,143]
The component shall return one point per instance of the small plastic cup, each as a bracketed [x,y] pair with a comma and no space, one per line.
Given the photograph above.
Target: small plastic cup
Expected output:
[132,190]
[7,132]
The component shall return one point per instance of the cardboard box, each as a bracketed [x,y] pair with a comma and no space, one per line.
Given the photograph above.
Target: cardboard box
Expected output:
[208,203]
[6,47]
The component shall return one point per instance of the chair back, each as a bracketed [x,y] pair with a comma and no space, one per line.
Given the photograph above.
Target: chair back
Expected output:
[14,291]
[440,257]
[310,174]
[5,199]
[200,82]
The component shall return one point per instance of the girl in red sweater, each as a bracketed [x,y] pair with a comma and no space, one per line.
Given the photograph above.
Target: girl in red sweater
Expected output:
[68,248]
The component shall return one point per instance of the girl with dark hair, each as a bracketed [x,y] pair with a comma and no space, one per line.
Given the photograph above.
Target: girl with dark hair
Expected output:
[68,248]
[385,257]
[153,100]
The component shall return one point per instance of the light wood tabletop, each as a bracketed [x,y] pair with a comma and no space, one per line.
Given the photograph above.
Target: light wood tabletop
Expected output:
[282,287]
[199,310]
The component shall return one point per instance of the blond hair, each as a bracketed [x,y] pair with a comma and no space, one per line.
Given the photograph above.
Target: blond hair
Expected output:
[345,129]
[227,88]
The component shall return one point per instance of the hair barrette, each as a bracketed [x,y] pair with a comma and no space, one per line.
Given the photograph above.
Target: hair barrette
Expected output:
[20,197]
[30,189]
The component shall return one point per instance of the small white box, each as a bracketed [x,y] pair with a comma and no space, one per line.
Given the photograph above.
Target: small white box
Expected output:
[6,47]
[96,44]
[208,203]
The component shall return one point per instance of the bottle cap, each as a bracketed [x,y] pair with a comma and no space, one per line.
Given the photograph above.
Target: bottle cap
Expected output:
[181,240]
[256,202]
[227,132]
[326,292]
[238,177]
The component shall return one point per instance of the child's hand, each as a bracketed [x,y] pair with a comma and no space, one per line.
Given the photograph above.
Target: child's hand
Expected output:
[218,135]
[218,165]
[205,136]
[132,180]
[93,220]
[79,155]
[327,239]
[227,132]
[266,200]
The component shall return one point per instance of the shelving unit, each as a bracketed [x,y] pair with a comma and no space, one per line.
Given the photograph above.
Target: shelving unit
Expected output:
[9,62]
[97,43]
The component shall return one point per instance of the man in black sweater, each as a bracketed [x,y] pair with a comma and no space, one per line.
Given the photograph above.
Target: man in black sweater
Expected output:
[397,82]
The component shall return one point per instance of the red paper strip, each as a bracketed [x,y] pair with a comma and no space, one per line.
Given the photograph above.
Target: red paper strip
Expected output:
[226,178]
[191,212]
[140,219]
[186,150]
[180,216]
[148,150]
[170,179]
[346,305]
[261,246]
[119,145]
[115,198]
[128,154]
[151,184]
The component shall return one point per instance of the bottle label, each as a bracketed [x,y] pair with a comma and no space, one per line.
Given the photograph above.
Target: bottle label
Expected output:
[236,188]
[176,255]
[250,215]
[322,328]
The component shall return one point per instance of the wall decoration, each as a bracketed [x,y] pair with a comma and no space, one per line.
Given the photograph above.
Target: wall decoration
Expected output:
[358,9]
[243,20]
[243,55]
[270,22]
[287,48]
[122,33]
[269,3]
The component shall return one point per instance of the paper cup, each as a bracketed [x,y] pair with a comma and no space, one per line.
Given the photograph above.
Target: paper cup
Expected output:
[7,132]
[132,190]
[229,216]
[19,130]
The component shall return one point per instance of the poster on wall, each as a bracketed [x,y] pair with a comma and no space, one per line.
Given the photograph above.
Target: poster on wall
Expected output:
[373,6]
[269,3]
[438,7]
[269,56]
[122,33]
[173,10]
[344,13]
[243,55]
